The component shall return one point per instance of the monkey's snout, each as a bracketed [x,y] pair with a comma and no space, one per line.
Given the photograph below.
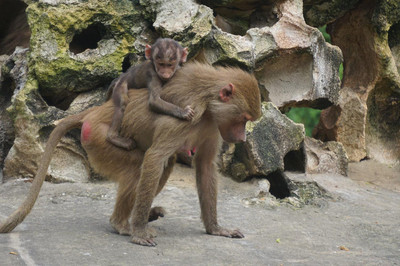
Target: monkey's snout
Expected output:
[166,77]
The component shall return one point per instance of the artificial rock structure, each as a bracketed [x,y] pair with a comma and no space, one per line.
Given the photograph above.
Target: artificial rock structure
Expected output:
[70,50]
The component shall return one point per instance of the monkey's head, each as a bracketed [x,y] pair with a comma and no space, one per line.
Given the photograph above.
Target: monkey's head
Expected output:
[238,102]
[167,56]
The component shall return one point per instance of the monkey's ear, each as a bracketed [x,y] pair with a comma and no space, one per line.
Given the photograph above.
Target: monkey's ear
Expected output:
[226,92]
[147,52]
[184,55]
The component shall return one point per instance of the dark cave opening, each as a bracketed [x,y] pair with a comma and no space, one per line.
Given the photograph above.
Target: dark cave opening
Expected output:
[14,28]
[394,35]
[6,92]
[126,63]
[237,18]
[295,161]
[87,38]
[61,100]
[279,186]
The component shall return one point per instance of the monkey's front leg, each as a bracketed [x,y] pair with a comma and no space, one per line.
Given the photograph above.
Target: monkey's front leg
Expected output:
[159,105]
[207,190]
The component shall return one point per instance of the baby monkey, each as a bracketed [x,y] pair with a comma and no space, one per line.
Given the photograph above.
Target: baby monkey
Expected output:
[163,59]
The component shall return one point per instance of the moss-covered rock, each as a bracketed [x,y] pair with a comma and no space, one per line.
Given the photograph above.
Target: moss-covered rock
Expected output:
[319,13]
[269,140]
[185,21]
[80,46]
[369,101]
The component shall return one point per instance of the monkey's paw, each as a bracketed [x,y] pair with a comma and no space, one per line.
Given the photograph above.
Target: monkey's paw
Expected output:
[188,113]
[123,228]
[156,212]
[144,237]
[226,232]
[124,143]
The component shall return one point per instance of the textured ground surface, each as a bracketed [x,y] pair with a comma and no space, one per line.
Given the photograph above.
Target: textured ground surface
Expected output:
[358,225]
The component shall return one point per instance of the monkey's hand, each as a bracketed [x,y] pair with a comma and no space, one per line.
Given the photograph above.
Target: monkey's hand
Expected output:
[219,231]
[188,113]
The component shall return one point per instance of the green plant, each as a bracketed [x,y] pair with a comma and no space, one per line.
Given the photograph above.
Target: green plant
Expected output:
[307,116]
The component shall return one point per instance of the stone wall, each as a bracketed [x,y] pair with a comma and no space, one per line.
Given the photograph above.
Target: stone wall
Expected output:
[66,53]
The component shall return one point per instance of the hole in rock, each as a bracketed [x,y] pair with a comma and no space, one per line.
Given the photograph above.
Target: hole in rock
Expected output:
[295,161]
[394,35]
[327,128]
[288,76]
[384,110]
[126,63]
[327,36]
[325,32]
[14,28]
[279,187]
[309,117]
[239,16]
[263,16]
[61,99]
[87,38]
[231,62]
[6,92]
[132,59]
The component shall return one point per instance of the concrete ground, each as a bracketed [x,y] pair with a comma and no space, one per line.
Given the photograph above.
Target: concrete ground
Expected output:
[359,224]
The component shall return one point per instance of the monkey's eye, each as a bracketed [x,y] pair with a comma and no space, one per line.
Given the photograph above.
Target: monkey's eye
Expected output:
[169,65]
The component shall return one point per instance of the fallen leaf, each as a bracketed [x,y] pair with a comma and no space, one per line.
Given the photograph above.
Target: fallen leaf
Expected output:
[13,253]
[344,248]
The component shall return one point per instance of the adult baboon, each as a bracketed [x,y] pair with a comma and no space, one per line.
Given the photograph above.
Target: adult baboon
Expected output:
[223,100]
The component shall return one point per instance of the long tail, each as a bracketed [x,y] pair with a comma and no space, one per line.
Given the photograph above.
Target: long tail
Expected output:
[25,208]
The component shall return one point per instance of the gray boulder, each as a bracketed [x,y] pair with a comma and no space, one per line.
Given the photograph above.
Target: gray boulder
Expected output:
[269,140]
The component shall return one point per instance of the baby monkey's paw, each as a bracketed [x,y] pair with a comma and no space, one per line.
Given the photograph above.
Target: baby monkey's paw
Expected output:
[188,113]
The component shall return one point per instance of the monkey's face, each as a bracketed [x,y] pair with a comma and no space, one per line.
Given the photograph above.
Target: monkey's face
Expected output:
[165,68]
[234,131]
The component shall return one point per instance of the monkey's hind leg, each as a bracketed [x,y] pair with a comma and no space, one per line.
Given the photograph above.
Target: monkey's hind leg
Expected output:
[126,199]
[124,143]
[158,211]
[113,132]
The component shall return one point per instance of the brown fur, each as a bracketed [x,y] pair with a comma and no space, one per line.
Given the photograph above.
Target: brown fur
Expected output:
[164,58]
[142,172]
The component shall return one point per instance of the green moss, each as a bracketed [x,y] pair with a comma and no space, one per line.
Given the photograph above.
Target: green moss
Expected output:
[325,12]
[238,172]
[386,14]
[19,107]
[55,66]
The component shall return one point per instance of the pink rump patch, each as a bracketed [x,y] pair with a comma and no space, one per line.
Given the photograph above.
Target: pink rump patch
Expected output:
[85,132]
